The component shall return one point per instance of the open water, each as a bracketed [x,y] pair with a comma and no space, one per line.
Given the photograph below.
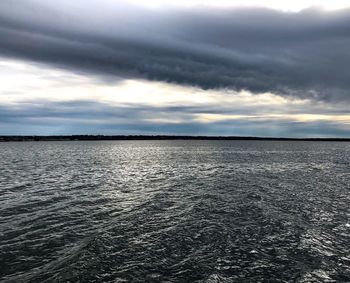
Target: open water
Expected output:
[175,211]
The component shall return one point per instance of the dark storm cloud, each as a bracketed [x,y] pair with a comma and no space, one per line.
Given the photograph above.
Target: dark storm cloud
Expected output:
[305,54]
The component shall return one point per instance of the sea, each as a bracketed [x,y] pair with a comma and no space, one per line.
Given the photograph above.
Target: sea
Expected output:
[175,211]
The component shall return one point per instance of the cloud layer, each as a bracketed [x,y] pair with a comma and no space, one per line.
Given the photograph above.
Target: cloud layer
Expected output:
[304,55]
[91,117]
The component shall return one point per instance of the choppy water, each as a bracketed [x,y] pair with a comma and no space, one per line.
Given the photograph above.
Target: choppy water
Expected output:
[175,211]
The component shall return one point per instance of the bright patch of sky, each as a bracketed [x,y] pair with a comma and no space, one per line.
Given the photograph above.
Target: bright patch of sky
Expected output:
[295,5]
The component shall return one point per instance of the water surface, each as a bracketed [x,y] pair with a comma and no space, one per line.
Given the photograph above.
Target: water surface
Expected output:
[175,211]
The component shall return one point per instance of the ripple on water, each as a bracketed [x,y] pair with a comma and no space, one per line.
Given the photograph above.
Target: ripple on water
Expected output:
[174,211]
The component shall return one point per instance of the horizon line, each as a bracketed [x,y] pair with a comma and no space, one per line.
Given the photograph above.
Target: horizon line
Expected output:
[88,137]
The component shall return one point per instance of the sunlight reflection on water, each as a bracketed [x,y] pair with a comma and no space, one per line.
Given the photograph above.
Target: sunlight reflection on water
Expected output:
[174,211]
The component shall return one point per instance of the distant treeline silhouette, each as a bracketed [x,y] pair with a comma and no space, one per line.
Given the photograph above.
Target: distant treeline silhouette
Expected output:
[154,137]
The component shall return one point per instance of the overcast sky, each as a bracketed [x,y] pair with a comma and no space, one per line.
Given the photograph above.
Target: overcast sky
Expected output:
[252,68]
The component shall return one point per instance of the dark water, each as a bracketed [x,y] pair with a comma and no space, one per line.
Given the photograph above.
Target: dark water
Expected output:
[175,211]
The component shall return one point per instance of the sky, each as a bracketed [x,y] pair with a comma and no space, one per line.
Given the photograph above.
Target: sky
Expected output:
[230,68]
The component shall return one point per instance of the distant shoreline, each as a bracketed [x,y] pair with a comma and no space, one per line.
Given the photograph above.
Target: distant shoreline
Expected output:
[155,137]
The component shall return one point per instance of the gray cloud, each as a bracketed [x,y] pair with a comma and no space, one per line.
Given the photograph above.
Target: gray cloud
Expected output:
[92,117]
[303,54]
